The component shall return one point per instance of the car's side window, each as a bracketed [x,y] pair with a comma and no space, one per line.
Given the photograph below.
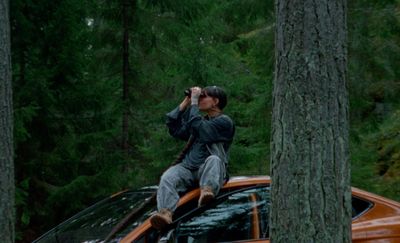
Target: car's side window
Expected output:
[359,206]
[240,216]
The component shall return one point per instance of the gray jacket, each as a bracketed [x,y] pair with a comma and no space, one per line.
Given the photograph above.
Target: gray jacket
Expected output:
[213,135]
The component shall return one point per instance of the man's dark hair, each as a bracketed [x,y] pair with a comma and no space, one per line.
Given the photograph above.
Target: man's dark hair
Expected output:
[217,92]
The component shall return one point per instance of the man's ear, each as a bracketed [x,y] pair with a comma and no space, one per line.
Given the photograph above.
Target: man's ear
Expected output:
[216,100]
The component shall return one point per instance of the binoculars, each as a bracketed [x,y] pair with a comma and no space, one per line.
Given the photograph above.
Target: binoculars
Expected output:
[188,92]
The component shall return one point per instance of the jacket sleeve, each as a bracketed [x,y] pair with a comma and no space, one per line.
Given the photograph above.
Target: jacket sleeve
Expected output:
[177,123]
[219,129]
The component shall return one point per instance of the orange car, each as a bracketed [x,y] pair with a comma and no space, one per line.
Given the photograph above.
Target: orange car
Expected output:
[239,213]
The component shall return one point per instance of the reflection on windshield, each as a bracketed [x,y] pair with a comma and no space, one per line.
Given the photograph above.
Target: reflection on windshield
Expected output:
[231,220]
[93,224]
[220,215]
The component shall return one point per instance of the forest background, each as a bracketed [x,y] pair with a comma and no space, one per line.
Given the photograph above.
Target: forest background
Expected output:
[69,102]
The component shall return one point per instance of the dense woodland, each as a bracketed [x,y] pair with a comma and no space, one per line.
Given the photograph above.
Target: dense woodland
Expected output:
[93,81]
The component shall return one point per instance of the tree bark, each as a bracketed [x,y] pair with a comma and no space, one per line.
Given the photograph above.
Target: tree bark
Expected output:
[311,196]
[7,188]
[125,74]
[128,11]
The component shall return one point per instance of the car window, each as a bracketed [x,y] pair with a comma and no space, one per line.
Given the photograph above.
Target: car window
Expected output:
[96,222]
[359,206]
[240,216]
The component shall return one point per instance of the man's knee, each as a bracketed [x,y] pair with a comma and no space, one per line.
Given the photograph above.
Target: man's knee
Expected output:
[177,178]
[169,176]
[213,158]
[214,163]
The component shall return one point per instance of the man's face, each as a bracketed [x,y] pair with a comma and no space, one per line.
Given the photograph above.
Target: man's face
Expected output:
[206,102]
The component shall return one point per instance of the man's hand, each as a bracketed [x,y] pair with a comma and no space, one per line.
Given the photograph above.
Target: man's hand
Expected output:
[184,104]
[196,91]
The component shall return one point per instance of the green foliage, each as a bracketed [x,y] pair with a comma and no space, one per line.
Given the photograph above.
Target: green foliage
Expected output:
[376,159]
[21,196]
[374,86]
[373,55]
[67,67]
[23,115]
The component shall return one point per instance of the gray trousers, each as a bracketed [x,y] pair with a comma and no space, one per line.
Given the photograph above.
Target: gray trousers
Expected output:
[178,179]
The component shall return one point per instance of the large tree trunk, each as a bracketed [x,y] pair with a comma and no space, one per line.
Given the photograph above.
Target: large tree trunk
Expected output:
[7,189]
[311,198]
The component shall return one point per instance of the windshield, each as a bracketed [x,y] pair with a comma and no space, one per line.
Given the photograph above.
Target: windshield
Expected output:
[96,222]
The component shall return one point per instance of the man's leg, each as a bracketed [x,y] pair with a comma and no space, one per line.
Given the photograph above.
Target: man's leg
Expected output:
[177,179]
[174,181]
[212,175]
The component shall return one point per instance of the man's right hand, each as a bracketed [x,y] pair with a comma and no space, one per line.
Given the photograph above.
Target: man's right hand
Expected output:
[185,103]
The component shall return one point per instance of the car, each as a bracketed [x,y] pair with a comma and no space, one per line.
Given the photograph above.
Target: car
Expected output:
[239,213]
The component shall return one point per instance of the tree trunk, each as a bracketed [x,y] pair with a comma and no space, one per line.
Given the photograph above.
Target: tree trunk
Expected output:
[125,73]
[311,198]
[7,215]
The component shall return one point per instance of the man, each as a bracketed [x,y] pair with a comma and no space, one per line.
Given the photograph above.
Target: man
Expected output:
[205,162]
